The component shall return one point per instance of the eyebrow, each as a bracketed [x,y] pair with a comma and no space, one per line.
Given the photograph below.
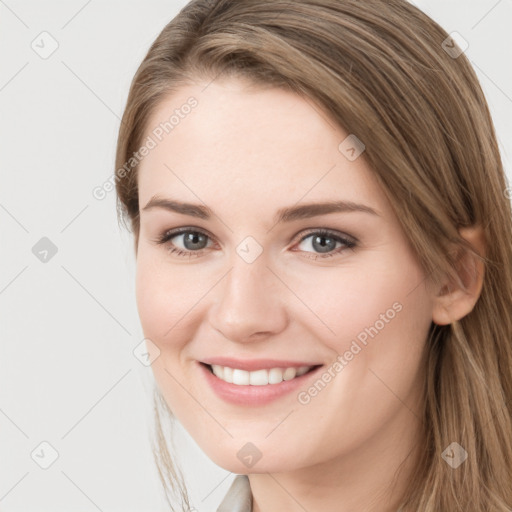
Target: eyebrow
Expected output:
[287,214]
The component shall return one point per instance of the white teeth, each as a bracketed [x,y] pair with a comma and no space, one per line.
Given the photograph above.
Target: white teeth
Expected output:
[240,377]
[289,373]
[302,370]
[275,376]
[257,377]
[228,374]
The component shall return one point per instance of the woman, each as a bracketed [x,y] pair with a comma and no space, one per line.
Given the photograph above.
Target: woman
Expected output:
[324,254]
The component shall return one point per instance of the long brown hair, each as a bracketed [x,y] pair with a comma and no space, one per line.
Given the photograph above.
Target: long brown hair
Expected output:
[382,70]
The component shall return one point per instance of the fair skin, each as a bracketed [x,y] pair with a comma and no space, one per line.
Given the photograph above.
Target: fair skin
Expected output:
[245,153]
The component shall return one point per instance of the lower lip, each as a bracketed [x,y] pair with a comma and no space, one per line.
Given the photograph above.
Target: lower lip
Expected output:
[253,395]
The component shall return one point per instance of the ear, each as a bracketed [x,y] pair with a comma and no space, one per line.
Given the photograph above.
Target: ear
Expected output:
[455,299]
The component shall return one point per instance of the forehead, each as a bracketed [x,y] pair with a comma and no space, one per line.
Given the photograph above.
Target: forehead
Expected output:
[243,143]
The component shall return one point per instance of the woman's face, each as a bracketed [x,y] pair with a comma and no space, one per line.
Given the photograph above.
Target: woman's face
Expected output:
[284,253]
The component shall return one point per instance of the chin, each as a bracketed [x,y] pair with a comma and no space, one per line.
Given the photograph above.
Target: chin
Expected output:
[246,458]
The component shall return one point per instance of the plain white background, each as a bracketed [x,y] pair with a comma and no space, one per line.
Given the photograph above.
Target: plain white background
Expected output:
[69,325]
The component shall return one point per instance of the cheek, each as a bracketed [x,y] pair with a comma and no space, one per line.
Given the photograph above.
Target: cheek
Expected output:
[165,301]
[375,321]
[380,319]
[165,296]
[380,326]
[362,301]
[153,299]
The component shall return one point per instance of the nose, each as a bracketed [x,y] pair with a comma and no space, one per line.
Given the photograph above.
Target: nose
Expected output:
[249,303]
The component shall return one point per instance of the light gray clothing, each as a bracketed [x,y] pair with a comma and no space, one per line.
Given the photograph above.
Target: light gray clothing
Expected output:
[239,496]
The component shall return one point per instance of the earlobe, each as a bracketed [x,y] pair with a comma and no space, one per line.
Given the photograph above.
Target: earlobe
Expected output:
[457,297]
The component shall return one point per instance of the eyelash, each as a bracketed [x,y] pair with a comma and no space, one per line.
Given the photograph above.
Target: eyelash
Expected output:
[168,235]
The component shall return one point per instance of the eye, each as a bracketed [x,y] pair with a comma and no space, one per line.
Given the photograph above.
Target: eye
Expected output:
[326,243]
[185,241]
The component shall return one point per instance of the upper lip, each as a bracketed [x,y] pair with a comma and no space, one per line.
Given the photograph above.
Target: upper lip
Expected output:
[256,364]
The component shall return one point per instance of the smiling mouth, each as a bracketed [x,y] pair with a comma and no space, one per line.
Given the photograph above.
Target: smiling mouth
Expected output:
[263,377]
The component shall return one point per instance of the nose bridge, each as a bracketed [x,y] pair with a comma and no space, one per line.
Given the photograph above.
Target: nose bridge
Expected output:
[250,301]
